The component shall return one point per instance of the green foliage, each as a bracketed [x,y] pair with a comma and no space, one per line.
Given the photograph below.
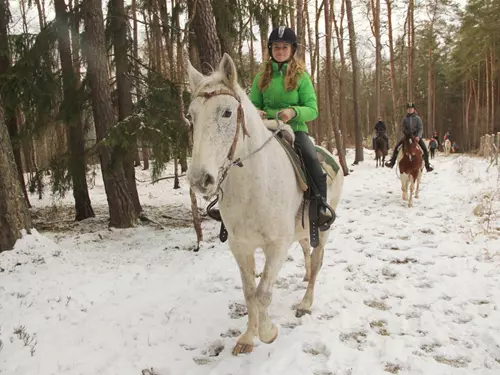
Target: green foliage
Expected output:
[156,122]
[32,84]
[60,178]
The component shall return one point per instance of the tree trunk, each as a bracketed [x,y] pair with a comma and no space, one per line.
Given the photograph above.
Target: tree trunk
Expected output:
[206,36]
[124,89]
[10,114]
[183,151]
[392,67]
[355,83]
[14,214]
[329,92]
[375,5]
[121,208]
[76,167]
[411,49]
[430,93]
[492,69]
[137,84]
[339,32]
[301,31]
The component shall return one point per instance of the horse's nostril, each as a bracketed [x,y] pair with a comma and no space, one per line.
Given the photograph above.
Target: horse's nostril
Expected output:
[208,180]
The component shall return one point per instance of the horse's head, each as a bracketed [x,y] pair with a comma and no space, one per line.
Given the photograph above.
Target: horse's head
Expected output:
[218,122]
[410,145]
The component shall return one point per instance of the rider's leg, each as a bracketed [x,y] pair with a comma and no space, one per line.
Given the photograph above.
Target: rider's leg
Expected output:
[313,166]
[391,162]
[422,145]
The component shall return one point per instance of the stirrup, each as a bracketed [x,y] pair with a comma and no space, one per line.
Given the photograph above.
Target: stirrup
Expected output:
[326,225]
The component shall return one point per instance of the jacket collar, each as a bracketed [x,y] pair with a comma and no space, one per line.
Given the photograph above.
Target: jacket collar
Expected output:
[276,66]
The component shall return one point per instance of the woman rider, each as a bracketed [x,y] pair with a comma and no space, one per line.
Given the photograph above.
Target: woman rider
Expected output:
[283,86]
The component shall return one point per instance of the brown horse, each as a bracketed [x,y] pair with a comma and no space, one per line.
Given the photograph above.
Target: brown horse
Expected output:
[380,150]
[410,167]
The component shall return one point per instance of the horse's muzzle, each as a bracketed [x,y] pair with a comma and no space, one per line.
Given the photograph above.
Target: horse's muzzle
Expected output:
[202,181]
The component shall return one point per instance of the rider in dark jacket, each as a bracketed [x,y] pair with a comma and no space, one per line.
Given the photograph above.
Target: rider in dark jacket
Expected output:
[380,129]
[412,123]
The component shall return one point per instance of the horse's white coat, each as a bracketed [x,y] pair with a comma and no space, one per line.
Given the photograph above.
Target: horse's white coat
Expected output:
[447,147]
[261,201]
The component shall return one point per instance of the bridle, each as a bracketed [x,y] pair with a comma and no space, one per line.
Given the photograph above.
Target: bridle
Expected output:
[240,124]
[409,140]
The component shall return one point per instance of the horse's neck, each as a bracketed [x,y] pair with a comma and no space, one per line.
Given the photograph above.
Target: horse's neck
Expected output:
[259,156]
[258,133]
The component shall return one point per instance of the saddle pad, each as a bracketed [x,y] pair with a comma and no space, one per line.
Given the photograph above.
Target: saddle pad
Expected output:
[328,159]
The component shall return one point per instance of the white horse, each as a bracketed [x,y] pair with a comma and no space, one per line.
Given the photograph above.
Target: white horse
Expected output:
[261,200]
[447,147]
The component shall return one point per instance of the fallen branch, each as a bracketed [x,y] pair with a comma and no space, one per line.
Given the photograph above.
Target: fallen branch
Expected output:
[159,179]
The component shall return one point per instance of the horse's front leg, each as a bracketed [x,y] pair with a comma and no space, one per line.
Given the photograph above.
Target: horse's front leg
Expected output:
[275,257]
[317,260]
[412,189]
[404,186]
[244,256]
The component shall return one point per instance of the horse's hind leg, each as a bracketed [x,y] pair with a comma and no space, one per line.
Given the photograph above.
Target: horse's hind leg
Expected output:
[306,248]
[316,261]
[275,257]
[246,262]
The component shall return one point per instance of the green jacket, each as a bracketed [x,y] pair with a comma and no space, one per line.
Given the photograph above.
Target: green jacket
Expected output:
[275,98]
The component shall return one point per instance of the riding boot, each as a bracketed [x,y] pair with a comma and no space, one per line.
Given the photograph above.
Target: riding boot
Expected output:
[422,145]
[391,162]
[326,214]
[428,166]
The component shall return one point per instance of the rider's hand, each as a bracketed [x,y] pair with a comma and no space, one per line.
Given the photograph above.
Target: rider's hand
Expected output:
[287,114]
[262,114]
[417,138]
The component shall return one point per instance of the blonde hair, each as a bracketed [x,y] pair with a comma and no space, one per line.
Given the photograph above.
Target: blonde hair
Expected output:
[294,70]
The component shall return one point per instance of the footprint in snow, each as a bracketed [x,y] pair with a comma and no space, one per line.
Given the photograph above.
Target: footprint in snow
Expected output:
[231,332]
[213,350]
[317,348]
[237,310]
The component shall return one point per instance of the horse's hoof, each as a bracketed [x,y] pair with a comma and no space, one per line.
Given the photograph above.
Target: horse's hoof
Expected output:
[301,312]
[270,337]
[242,348]
[306,278]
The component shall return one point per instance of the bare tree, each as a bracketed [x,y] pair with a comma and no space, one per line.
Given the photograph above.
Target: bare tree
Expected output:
[83,207]
[355,82]
[124,91]
[206,36]
[121,208]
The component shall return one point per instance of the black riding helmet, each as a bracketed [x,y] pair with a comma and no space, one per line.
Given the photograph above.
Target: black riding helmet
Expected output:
[282,34]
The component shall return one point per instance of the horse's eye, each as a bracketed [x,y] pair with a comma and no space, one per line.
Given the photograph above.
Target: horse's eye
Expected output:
[227,113]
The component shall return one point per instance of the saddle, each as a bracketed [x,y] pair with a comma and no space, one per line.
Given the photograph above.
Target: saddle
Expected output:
[286,138]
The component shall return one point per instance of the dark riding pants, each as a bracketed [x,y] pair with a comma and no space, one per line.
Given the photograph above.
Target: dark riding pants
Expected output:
[313,167]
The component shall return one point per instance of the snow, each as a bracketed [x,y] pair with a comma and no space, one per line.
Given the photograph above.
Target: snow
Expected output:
[402,290]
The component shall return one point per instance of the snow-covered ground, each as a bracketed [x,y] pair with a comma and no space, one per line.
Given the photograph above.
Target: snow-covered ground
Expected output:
[407,291]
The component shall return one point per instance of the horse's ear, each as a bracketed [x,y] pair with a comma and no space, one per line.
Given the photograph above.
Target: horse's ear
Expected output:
[195,77]
[228,69]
